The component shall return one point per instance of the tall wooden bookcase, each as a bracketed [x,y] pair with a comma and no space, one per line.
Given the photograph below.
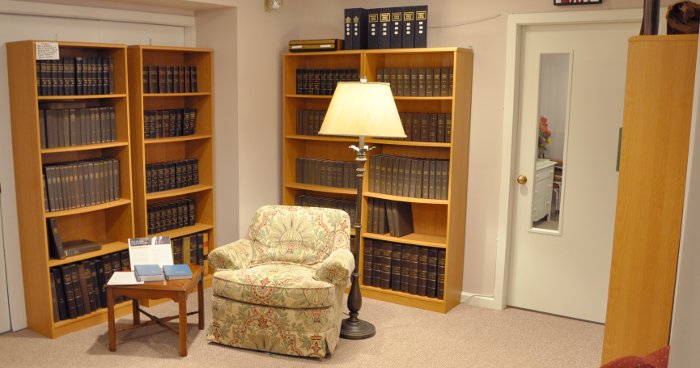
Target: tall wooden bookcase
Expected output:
[109,223]
[651,190]
[199,146]
[438,223]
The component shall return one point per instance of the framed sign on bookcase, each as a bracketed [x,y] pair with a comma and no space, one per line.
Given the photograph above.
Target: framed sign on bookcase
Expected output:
[71,146]
[414,196]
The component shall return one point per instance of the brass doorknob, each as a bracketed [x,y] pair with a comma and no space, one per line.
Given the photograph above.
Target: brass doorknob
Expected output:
[522,179]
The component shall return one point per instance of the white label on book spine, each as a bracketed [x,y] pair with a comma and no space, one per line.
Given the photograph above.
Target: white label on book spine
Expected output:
[47,51]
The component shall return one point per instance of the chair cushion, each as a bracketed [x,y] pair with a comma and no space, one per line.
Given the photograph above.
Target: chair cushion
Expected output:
[274,284]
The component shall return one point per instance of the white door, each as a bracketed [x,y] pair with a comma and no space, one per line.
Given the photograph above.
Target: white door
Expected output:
[574,75]
[4,301]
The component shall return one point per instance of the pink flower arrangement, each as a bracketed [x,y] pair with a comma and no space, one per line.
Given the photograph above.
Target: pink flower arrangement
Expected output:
[544,134]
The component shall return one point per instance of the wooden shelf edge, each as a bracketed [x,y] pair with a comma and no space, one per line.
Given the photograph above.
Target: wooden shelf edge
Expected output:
[321,189]
[148,48]
[179,191]
[87,209]
[107,248]
[416,98]
[99,316]
[393,296]
[183,231]
[182,138]
[409,143]
[294,95]
[390,197]
[320,138]
[86,147]
[412,239]
[185,94]
[80,97]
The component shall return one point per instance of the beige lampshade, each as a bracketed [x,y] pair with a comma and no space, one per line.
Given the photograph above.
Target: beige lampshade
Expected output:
[363,109]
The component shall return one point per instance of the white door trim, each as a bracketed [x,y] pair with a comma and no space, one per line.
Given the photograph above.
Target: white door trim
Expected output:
[516,23]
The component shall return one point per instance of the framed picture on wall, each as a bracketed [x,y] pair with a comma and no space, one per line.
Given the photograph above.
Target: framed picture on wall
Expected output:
[576,2]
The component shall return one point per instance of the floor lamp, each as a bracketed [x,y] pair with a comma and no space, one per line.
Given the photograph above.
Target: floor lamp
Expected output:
[361,109]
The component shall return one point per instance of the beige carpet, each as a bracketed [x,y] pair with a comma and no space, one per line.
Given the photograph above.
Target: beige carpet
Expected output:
[406,337]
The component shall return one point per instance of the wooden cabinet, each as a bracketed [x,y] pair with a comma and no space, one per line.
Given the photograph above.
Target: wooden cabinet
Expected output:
[109,222]
[172,123]
[542,197]
[653,159]
[438,224]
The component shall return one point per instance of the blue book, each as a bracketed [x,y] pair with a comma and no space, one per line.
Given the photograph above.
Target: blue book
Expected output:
[148,272]
[177,272]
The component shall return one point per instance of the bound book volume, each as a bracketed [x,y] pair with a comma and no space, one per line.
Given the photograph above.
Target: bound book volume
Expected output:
[325,202]
[78,288]
[65,124]
[71,76]
[418,82]
[191,249]
[81,183]
[309,121]
[384,28]
[169,122]
[164,216]
[393,217]
[169,78]
[406,268]
[331,173]
[177,272]
[330,44]
[169,175]
[148,272]
[409,177]
[59,249]
[322,81]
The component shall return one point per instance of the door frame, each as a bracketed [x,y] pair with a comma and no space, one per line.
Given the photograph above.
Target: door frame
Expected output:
[506,204]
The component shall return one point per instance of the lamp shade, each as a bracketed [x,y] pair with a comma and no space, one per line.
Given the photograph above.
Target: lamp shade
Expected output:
[363,109]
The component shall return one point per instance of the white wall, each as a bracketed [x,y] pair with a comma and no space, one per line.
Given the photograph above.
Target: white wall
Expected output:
[685,326]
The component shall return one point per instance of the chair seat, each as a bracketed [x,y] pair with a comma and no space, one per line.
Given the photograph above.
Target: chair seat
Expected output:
[275,284]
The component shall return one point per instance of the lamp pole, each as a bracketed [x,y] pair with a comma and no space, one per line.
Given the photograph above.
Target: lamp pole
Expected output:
[353,328]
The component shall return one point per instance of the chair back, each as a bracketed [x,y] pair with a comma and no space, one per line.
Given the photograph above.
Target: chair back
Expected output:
[294,234]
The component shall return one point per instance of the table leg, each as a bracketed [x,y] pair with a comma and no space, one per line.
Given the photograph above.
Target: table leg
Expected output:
[200,301]
[111,327]
[135,309]
[182,302]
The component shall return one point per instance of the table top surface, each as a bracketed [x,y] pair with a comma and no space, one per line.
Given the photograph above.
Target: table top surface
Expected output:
[167,285]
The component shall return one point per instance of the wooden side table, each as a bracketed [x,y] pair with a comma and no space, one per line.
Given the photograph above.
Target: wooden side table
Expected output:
[177,290]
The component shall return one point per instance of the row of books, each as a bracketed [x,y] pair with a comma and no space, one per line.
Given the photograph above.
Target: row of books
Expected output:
[409,177]
[309,121]
[79,288]
[330,173]
[81,183]
[169,78]
[191,248]
[418,82]
[323,81]
[325,202]
[164,216]
[427,126]
[75,76]
[393,217]
[64,127]
[383,28]
[406,268]
[169,122]
[169,175]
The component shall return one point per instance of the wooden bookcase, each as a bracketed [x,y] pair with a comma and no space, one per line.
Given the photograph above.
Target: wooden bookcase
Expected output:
[438,223]
[199,146]
[110,223]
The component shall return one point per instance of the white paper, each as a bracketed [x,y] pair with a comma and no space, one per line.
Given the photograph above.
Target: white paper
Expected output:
[47,51]
[153,250]
[123,278]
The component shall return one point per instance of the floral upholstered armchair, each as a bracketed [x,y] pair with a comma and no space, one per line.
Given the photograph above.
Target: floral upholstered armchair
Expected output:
[280,289]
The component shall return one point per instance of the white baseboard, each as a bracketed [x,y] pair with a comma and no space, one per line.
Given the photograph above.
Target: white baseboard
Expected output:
[483,301]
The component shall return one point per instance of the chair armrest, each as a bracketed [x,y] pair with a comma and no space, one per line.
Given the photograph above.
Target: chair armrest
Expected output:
[232,256]
[336,268]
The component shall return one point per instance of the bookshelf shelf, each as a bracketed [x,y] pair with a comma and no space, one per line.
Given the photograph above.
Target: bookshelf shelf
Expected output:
[107,248]
[426,240]
[88,209]
[87,147]
[81,97]
[157,67]
[438,224]
[184,138]
[111,220]
[178,192]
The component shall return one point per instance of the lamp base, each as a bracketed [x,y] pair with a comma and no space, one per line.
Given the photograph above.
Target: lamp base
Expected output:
[356,330]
